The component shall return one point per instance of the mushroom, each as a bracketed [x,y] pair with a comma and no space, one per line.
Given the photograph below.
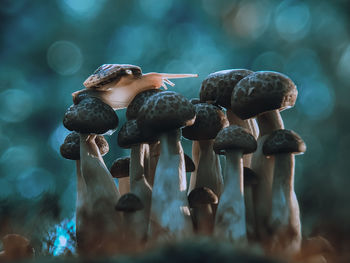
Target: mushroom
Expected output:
[209,121]
[120,170]
[217,88]
[250,182]
[133,234]
[118,84]
[70,149]
[230,223]
[92,116]
[151,153]
[130,136]
[201,200]
[16,247]
[165,113]
[284,221]
[263,95]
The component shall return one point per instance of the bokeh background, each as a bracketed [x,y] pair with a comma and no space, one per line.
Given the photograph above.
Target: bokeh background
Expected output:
[48,48]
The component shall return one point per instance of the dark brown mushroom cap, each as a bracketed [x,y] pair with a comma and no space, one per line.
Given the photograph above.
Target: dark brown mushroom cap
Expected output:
[138,101]
[17,247]
[283,141]
[120,167]
[129,203]
[218,86]
[234,138]
[166,111]
[91,115]
[189,164]
[209,121]
[70,149]
[130,135]
[261,92]
[202,196]
[110,72]
[249,176]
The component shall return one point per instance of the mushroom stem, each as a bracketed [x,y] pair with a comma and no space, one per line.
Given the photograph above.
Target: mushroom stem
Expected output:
[104,221]
[269,122]
[124,185]
[169,201]
[139,185]
[230,215]
[203,216]
[285,216]
[249,209]
[152,159]
[208,172]
[250,125]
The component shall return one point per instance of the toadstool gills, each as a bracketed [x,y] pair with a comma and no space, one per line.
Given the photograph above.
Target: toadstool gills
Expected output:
[165,113]
[284,220]
[263,94]
[230,222]
[118,84]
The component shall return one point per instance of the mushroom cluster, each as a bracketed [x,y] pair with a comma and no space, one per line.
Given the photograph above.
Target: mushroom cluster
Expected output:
[246,198]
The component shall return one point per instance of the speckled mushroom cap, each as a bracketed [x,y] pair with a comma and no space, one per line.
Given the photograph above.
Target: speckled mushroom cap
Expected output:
[202,196]
[263,91]
[120,167]
[166,111]
[91,115]
[218,86]
[130,135]
[234,138]
[110,72]
[249,176]
[138,101]
[189,164]
[195,100]
[283,141]
[209,121]
[129,203]
[70,149]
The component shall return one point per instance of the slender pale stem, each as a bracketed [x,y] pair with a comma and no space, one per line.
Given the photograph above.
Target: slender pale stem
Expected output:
[208,172]
[124,185]
[269,122]
[230,216]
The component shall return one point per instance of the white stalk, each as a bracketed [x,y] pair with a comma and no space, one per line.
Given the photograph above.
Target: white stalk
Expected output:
[250,125]
[263,167]
[230,222]
[139,185]
[208,169]
[285,216]
[124,185]
[169,200]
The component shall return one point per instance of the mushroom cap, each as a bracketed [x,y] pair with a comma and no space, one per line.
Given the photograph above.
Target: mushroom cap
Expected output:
[234,138]
[166,111]
[250,177]
[130,135]
[263,91]
[202,196]
[110,72]
[129,203]
[91,115]
[218,86]
[70,149]
[189,164]
[120,167]
[283,141]
[209,121]
[138,101]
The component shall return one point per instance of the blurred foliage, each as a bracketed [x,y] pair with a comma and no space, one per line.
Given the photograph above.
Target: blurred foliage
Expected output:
[48,48]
